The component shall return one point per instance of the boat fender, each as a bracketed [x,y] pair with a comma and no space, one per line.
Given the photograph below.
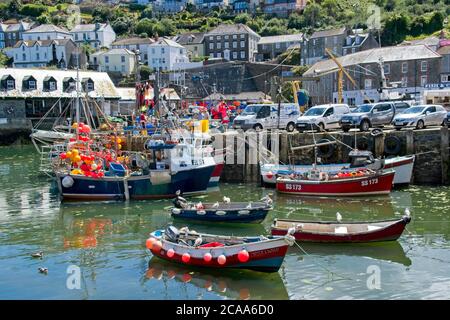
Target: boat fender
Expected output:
[243,212]
[290,240]
[67,182]
[325,151]
[220,213]
[407,219]
[392,145]
[201,212]
[176,211]
[221,259]
[323,176]
[363,143]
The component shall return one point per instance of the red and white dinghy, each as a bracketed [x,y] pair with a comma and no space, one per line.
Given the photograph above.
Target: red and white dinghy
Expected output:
[358,184]
[350,232]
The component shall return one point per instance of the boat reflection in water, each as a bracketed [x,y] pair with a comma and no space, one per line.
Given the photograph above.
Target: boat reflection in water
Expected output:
[230,284]
[390,251]
[84,233]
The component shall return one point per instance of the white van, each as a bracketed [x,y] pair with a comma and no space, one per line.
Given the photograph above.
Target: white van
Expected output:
[322,117]
[265,116]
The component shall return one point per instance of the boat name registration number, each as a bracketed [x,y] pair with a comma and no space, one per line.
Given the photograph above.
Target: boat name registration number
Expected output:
[369,182]
[294,187]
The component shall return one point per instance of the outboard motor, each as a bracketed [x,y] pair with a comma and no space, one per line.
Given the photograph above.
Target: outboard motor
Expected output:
[172,234]
[180,202]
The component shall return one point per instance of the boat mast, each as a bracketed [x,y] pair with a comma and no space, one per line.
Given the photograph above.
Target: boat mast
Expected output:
[77,101]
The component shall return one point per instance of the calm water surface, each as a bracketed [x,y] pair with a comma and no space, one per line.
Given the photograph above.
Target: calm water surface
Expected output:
[106,240]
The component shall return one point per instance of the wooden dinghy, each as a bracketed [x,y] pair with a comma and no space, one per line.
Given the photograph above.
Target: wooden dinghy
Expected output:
[335,232]
[226,211]
[187,247]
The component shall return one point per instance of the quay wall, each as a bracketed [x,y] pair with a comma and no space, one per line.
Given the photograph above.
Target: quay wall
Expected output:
[244,150]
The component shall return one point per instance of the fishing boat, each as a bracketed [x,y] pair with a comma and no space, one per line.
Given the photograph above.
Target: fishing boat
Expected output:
[221,211]
[402,165]
[361,182]
[265,254]
[336,232]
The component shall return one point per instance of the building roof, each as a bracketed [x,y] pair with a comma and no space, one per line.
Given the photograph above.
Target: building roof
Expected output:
[232,29]
[166,93]
[42,43]
[47,28]
[103,86]
[120,51]
[432,41]
[282,38]
[127,93]
[254,96]
[166,42]
[89,27]
[353,37]
[189,38]
[131,41]
[389,54]
[328,32]
[444,50]
[22,25]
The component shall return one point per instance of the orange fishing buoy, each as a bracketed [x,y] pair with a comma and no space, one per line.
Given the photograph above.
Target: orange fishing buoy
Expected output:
[222,259]
[149,243]
[157,245]
[170,253]
[243,256]
[207,257]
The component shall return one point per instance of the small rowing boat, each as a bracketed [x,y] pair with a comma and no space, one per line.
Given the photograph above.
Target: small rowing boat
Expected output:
[335,232]
[254,212]
[260,253]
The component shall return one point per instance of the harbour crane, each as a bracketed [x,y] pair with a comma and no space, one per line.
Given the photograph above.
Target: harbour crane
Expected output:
[341,73]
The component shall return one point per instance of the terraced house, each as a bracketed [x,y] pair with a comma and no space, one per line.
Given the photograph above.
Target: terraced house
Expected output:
[270,47]
[96,35]
[11,33]
[408,69]
[232,42]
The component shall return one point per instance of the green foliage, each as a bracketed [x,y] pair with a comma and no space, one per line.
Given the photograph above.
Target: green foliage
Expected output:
[300,70]
[33,10]
[395,29]
[147,12]
[290,57]
[4,60]
[144,26]
[145,72]
[44,19]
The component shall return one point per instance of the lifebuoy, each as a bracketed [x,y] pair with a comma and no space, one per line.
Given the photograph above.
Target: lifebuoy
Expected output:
[67,182]
[325,151]
[392,145]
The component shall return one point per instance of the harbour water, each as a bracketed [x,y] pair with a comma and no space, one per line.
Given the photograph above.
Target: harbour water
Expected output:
[107,242]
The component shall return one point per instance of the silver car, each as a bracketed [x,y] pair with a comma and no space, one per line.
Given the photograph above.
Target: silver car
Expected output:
[420,116]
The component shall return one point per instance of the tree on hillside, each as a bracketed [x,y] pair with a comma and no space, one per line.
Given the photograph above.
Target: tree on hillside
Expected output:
[395,29]
[147,12]
[14,7]
[144,26]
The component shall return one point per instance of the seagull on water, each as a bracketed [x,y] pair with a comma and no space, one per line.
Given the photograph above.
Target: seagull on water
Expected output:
[338,217]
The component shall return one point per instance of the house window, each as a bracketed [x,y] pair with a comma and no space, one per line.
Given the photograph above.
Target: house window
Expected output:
[404,67]
[106,59]
[242,44]
[23,48]
[387,68]
[123,68]
[153,50]
[404,82]
[234,36]
[344,52]
[219,55]
[445,78]
[24,56]
[242,36]
[226,37]
[211,38]
[423,66]
[226,45]
[353,50]
[89,86]
[234,55]
[368,84]
[211,46]
[37,56]
[122,58]
[219,45]
[32,85]
[163,50]
[52,85]
[218,37]
[423,80]
[76,36]
[181,51]
[10,85]
[235,44]
[242,54]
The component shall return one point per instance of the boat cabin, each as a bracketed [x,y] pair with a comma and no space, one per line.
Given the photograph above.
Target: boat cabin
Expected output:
[364,158]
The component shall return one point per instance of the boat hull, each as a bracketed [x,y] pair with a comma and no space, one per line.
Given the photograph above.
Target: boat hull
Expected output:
[256,215]
[192,181]
[360,186]
[403,167]
[391,232]
[215,177]
[264,256]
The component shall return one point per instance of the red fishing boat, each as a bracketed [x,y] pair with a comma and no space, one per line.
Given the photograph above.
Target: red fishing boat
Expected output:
[357,183]
[335,232]
[187,247]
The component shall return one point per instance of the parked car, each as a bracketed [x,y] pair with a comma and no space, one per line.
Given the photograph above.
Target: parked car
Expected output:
[265,116]
[322,117]
[401,106]
[447,119]
[421,116]
[368,115]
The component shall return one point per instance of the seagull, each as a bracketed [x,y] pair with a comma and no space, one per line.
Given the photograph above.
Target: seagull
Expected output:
[267,199]
[39,254]
[338,217]
[43,270]
[407,213]
[291,231]
[216,205]
[249,206]
[198,241]
[226,199]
